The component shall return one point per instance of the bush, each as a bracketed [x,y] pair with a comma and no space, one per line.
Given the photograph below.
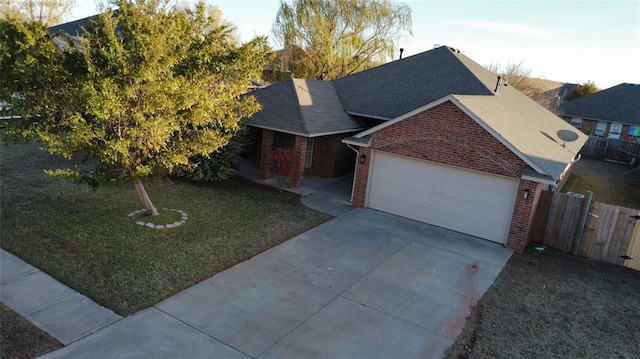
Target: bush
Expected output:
[220,165]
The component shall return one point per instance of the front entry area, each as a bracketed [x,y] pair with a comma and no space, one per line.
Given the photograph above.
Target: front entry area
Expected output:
[470,202]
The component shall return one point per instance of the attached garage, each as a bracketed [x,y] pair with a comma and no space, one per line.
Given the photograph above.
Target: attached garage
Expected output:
[471,202]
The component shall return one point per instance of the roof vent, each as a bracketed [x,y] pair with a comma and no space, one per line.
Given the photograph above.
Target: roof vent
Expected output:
[401,51]
[497,84]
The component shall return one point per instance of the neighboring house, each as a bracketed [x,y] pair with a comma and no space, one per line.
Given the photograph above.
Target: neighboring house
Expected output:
[555,95]
[611,113]
[445,143]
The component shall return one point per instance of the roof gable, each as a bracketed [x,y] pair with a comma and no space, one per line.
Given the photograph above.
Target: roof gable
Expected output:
[303,107]
[522,125]
[619,103]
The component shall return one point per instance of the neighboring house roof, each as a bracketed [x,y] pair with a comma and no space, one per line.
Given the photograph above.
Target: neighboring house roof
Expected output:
[307,108]
[521,124]
[72,28]
[619,103]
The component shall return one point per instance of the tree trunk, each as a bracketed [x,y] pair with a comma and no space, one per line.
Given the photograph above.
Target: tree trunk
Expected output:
[150,209]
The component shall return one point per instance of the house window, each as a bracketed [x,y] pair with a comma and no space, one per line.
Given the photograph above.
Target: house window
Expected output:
[634,131]
[601,128]
[308,154]
[576,122]
[614,132]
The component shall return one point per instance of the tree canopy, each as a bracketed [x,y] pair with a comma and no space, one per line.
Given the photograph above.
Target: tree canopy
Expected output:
[584,89]
[144,90]
[339,37]
[48,12]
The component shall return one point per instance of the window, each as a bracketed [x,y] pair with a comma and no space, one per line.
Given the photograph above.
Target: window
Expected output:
[576,122]
[616,129]
[634,131]
[308,155]
[601,128]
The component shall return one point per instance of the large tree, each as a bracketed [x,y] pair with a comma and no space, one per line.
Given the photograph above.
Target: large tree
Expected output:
[48,12]
[147,88]
[518,76]
[340,37]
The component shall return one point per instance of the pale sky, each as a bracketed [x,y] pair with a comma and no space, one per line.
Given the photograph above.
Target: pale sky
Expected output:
[567,41]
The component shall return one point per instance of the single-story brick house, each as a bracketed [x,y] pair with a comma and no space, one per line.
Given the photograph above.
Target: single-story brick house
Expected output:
[611,113]
[439,140]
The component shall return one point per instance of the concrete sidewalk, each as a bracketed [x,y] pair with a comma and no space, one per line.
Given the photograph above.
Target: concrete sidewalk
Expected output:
[55,308]
[363,285]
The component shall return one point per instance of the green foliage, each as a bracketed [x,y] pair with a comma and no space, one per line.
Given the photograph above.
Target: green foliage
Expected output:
[339,37]
[144,90]
[219,165]
[584,89]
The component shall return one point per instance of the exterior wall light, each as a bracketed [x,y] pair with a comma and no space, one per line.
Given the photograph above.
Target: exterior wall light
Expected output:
[525,193]
[363,158]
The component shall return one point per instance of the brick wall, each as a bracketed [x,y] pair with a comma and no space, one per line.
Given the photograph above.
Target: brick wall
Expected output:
[266,154]
[299,150]
[324,150]
[331,157]
[445,134]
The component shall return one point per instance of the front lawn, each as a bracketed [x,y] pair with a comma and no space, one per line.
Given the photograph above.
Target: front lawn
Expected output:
[86,239]
[554,305]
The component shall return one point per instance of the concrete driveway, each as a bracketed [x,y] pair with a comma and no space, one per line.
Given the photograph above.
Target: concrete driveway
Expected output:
[363,285]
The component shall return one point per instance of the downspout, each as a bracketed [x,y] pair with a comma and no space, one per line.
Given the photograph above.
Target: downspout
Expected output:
[353,184]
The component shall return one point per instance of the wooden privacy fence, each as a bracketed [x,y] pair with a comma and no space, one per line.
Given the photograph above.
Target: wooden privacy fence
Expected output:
[611,149]
[594,230]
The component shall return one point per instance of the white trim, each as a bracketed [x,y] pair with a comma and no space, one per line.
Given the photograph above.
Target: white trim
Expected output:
[355,143]
[538,180]
[469,113]
[309,152]
[405,116]
[305,134]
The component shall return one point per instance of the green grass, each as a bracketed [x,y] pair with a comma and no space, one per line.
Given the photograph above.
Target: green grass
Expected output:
[20,339]
[610,182]
[553,305]
[86,239]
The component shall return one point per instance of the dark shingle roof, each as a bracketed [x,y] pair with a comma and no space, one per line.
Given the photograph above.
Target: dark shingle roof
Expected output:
[398,87]
[302,107]
[72,28]
[523,125]
[619,103]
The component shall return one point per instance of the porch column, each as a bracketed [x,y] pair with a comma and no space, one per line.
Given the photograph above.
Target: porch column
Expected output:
[299,151]
[266,154]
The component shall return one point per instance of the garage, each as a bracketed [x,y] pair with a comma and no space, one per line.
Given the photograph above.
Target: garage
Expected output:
[471,202]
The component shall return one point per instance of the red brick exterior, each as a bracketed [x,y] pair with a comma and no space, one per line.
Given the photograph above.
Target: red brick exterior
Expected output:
[588,127]
[266,154]
[331,158]
[445,134]
[299,149]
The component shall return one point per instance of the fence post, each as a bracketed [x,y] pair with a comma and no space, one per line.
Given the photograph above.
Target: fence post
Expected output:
[583,223]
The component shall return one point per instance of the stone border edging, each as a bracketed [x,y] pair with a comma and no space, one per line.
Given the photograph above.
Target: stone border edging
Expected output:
[160,226]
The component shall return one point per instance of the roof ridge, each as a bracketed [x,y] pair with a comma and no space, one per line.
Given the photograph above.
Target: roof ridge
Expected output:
[473,74]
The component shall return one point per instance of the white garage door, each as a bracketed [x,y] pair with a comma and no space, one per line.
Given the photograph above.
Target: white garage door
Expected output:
[465,201]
